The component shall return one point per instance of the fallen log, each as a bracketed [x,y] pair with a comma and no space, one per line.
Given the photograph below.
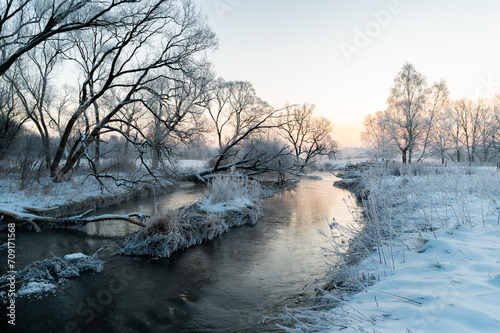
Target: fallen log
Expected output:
[33,219]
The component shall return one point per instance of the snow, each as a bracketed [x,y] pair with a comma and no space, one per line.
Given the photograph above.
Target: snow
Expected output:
[235,204]
[74,256]
[40,276]
[45,194]
[439,271]
[452,285]
[192,165]
[35,287]
[234,200]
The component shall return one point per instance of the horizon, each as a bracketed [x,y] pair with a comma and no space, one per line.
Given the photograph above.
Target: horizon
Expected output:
[343,57]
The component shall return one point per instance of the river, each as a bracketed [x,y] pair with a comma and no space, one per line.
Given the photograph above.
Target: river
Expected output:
[224,285]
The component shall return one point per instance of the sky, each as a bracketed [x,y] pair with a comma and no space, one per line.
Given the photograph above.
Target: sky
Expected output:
[343,55]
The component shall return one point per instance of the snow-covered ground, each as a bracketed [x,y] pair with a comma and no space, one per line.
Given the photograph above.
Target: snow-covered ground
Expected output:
[436,262]
[42,193]
[46,194]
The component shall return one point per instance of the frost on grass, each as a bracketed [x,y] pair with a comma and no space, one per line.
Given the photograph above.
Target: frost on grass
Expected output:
[35,288]
[41,276]
[423,259]
[233,201]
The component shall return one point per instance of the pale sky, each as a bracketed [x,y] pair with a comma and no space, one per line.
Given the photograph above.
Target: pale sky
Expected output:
[342,55]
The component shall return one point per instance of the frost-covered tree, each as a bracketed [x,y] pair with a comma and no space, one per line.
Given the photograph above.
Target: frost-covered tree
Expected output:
[177,110]
[35,89]
[308,136]
[469,115]
[25,24]
[376,135]
[437,104]
[406,112]
[442,139]
[236,114]
[155,40]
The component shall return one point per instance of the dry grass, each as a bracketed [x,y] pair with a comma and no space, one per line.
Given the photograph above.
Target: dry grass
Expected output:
[403,207]
[226,187]
[176,229]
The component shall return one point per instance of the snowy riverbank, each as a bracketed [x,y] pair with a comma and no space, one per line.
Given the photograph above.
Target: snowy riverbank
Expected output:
[79,194]
[431,249]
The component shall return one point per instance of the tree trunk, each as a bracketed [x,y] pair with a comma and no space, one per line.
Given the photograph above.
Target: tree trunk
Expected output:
[62,144]
[155,158]
[70,163]
[403,153]
[46,151]
[98,135]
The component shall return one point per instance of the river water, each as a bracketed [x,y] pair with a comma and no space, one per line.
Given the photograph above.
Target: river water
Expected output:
[224,285]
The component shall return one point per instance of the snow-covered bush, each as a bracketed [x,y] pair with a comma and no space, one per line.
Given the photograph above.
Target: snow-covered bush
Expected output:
[56,267]
[41,272]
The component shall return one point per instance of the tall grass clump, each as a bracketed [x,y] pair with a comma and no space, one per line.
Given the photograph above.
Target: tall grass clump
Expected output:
[227,187]
[233,200]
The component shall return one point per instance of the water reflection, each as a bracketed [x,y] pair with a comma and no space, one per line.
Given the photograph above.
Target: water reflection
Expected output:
[182,195]
[224,285]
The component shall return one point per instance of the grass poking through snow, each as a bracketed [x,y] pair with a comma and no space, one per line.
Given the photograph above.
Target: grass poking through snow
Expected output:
[429,245]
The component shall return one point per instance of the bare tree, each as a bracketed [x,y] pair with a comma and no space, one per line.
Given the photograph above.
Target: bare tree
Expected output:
[178,110]
[407,103]
[152,41]
[469,116]
[88,48]
[25,24]
[496,122]
[64,100]
[438,102]
[457,108]
[11,120]
[376,134]
[32,81]
[442,137]
[307,135]
[487,132]
[131,116]
[268,152]
[237,115]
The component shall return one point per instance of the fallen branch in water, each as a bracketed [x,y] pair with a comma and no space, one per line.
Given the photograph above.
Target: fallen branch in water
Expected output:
[33,219]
